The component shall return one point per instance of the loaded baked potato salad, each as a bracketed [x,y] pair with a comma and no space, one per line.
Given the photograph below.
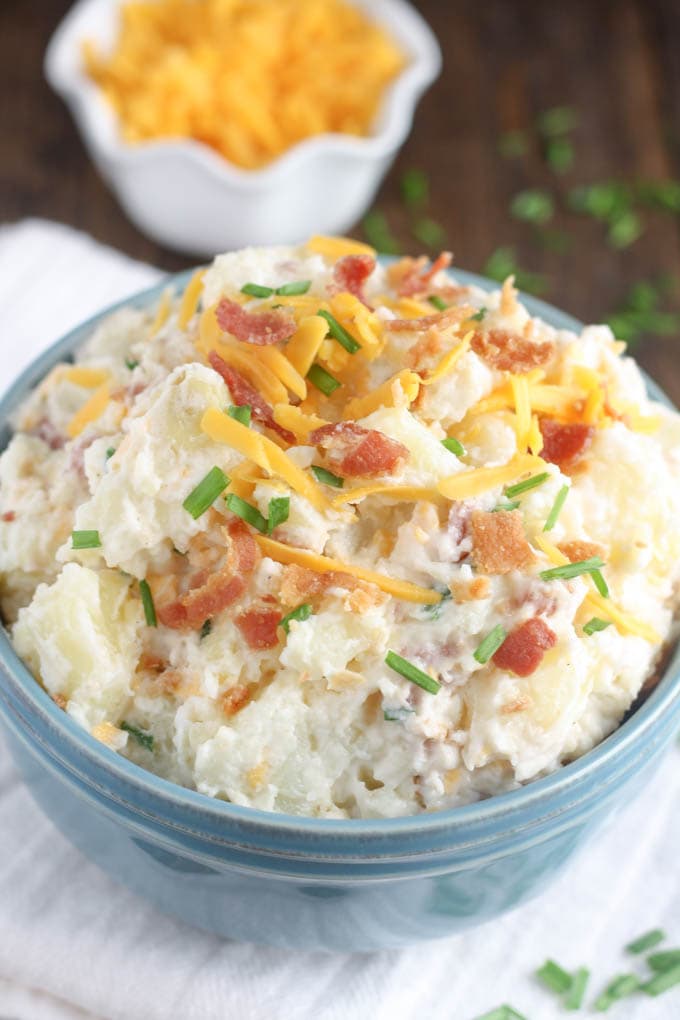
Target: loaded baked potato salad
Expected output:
[333,538]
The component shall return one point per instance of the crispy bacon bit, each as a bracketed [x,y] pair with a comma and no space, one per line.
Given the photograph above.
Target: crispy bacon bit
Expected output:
[9,516]
[233,700]
[410,278]
[525,646]
[258,627]
[470,591]
[299,584]
[578,550]
[351,273]
[511,352]
[49,434]
[356,452]
[243,393]
[518,705]
[438,321]
[565,444]
[499,542]
[259,328]
[427,347]
[210,593]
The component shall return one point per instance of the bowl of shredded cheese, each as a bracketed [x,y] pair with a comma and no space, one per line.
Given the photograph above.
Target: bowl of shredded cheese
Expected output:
[224,124]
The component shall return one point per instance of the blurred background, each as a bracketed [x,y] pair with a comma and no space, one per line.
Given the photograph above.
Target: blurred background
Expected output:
[549,147]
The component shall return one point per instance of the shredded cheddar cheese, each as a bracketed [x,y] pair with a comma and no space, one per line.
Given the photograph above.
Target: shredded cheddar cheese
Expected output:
[304,345]
[407,493]
[295,420]
[400,388]
[338,247]
[449,361]
[90,411]
[190,299]
[162,313]
[81,375]
[472,483]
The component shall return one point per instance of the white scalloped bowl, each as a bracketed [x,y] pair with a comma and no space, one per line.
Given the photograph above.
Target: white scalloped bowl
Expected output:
[185,195]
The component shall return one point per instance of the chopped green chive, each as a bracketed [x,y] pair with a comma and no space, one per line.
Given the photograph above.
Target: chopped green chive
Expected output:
[206,492]
[558,120]
[279,509]
[206,628]
[143,738]
[502,263]
[339,333]
[292,289]
[454,445]
[242,413]
[663,195]
[664,960]
[569,570]
[411,672]
[589,628]
[247,512]
[663,981]
[533,206]
[513,144]
[617,989]
[650,938]
[147,602]
[397,714]
[327,477]
[556,510]
[255,290]
[528,483]
[438,302]
[131,363]
[85,540]
[509,505]
[300,614]
[110,452]
[378,234]
[503,1013]
[624,229]
[559,153]
[323,380]
[415,188]
[490,644]
[554,977]
[429,232]
[478,316]
[600,584]
[577,989]
[434,610]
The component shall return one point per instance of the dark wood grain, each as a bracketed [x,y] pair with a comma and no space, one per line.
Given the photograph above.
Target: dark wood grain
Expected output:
[615,61]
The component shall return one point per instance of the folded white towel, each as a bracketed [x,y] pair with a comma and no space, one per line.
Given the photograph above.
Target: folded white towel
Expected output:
[76,946]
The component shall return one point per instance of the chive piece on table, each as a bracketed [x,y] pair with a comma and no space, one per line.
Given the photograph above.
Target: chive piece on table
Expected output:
[301,613]
[247,512]
[411,672]
[206,492]
[240,412]
[662,981]
[664,960]
[85,540]
[339,332]
[295,288]
[454,445]
[279,509]
[502,1013]
[378,234]
[143,738]
[327,477]
[429,232]
[554,977]
[255,290]
[490,644]
[556,510]
[577,990]
[147,602]
[592,627]
[617,989]
[414,186]
[527,484]
[438,302]
[533,206]
[323,380]
[569,570]
[650,938]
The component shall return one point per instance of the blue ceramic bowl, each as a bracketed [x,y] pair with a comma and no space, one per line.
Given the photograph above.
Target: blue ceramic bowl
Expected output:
[316,883]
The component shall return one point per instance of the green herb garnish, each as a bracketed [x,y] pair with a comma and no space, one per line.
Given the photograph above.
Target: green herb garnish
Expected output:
[279,509]
[429,232]
[650,938]
[662,981]
[508,506]
[85,540]
[503,1013]
[592,627]
[558,120]
[554,977]
[569,570]
[502,263]
[438,302]
[143,738]
[110,452]
[577,990]
[205,629]
[533,206]
[490,644]
[255,290]
[147,602]
[339,333]
[454,445]
[624,229]
[556,510]
[131,363]
[397,714]
[327,477]
[415,189]
[664,960]
[241,412]
[617,989]
[295,288]
[410,672]
[559,154]
[600,583]
[323,380]
[247,512]
[300,614]
[206,492]
[528,483]
[478,316]
[378,234]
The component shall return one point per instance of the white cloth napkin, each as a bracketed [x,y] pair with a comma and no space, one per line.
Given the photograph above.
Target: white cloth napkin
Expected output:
[76,946]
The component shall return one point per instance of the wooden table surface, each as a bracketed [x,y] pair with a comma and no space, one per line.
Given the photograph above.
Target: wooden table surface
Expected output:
[615,62]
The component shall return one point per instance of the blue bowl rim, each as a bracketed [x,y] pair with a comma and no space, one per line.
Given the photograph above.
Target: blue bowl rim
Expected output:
[636,728]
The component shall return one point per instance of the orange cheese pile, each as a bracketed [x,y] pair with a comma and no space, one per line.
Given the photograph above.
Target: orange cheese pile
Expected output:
[250,78]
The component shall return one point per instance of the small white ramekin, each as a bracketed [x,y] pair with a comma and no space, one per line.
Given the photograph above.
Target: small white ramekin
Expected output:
[186,196]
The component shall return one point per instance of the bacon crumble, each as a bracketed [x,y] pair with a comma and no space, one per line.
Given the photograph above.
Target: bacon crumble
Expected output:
[351,273]
[523,649]
[564,445]
[511,352]
[258,328]
[499,542]
[356,452]
[243,393]
[259,627]
[578,550]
